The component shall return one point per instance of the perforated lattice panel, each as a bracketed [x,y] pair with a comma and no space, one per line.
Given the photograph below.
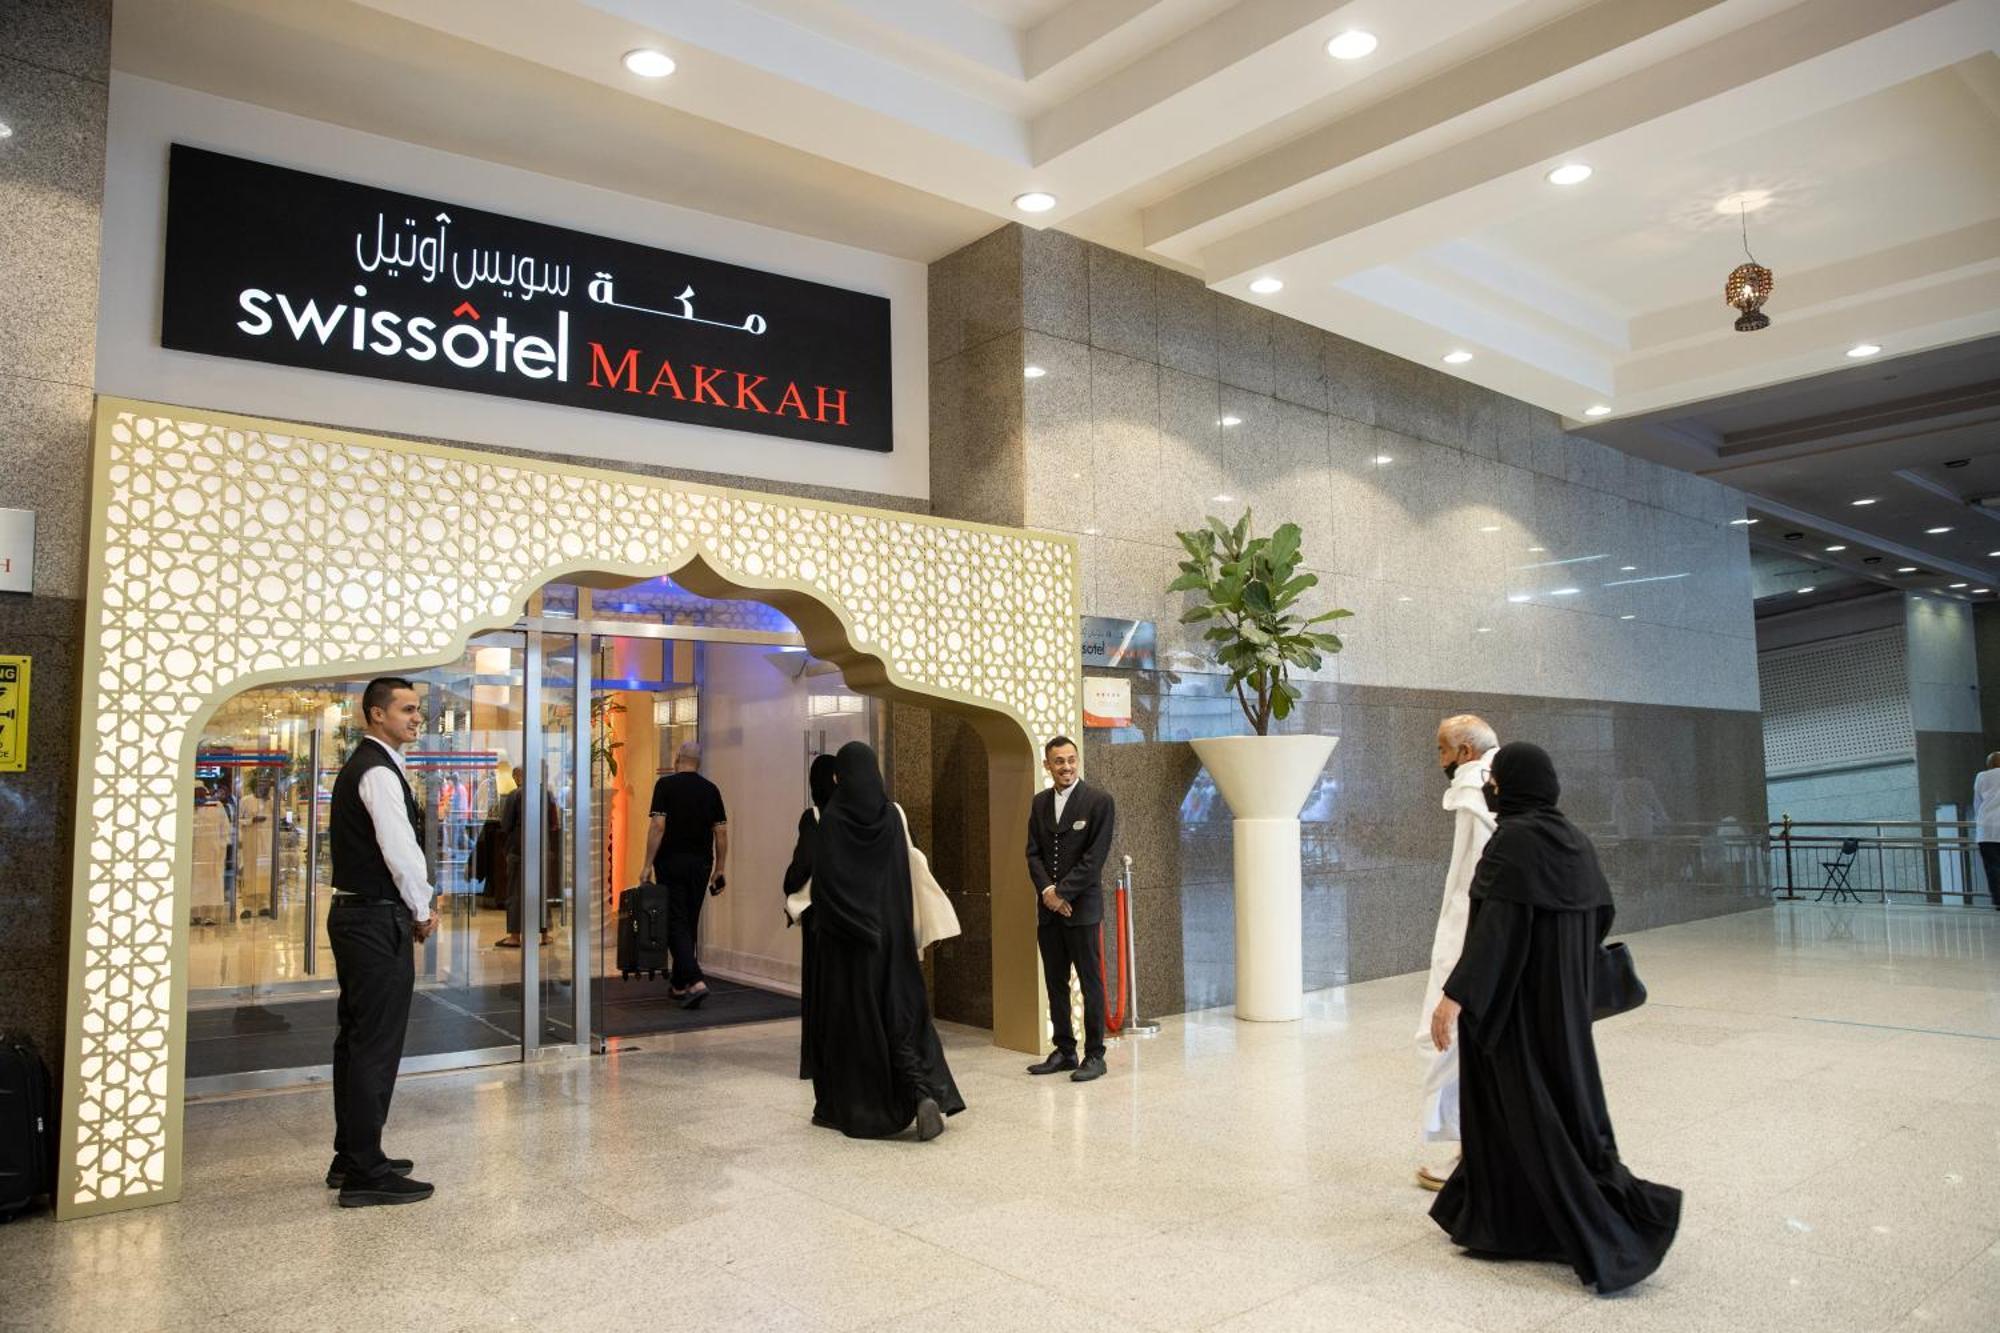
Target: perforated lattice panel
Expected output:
[229,554]
[1842,702]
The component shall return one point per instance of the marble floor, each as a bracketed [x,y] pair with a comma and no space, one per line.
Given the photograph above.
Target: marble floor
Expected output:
[1823,1082]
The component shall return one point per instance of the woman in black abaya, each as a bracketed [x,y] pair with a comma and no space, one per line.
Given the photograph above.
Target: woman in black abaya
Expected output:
[821,781]
[877,1064]
[1540,1177]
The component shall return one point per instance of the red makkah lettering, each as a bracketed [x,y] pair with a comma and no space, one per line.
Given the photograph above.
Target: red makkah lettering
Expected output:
[628,369]
[746,388]
[793,401]
[668,378]
[838,403]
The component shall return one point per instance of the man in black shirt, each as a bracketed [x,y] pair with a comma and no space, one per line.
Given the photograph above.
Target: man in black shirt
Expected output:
[687,846]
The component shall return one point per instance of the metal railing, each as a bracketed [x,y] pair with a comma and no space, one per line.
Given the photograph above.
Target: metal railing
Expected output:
[1931,862]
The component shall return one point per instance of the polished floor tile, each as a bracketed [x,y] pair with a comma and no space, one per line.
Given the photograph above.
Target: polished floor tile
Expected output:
[1823,1082]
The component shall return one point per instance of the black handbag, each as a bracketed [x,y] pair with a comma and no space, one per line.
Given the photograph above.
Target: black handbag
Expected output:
[1615,987]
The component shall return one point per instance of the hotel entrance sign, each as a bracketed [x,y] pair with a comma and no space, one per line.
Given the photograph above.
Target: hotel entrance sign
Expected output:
[13,714]
[17,550]
[269,264]
[1108,642]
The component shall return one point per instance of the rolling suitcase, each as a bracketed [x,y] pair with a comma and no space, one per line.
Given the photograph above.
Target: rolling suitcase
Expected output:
[642,931]
[27,1127]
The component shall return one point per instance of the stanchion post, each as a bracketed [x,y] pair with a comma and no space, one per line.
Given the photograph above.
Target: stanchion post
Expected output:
[1135,1025]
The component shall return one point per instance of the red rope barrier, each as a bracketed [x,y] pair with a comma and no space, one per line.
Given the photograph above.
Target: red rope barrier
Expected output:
[1114,1009]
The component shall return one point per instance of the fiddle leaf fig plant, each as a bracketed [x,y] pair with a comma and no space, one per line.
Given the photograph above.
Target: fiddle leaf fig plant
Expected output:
[1250,587]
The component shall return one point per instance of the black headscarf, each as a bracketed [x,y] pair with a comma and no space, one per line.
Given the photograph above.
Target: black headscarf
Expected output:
[861,866]
[1536,856]
[820,780]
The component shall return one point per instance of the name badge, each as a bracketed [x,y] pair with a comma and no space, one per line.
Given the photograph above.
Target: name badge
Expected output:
[1077,827]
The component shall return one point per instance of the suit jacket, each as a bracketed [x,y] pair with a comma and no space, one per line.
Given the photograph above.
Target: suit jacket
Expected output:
[1071,857]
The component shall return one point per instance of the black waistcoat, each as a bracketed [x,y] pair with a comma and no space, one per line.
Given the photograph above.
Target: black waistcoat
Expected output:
[358,866]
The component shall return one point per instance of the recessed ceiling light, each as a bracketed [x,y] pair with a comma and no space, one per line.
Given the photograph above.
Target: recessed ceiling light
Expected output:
[1518,597]
[1406,599]
[1484,629]
[1033,372]
[1743,522]
[1863,502]
[6,130]
[1093,532]
[1383,459]
[1225,499]
[1743,201]
[1982,590]
[1035,201]
[1860,350]
[1956,586]
[1538,550]
[1906,569]
[1230,421]
[1628,569]
[1565,592]
[1264,286]
[648,63]
[1832,549]
[1807,588]
[1628,617]
[1597,410]
[1457,358]
[1937,531]
[1569,173]
[1491,527]
[1352,45]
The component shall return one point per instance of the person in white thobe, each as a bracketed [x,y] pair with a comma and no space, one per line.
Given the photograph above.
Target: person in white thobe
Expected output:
[1465,751]
[1986,824]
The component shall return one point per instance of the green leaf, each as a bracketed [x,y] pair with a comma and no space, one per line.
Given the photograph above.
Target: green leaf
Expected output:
[1191,581]
[1296,586]
[1241,530]
[1199,613]
[1284,544]
[1336,614]
[1257,598]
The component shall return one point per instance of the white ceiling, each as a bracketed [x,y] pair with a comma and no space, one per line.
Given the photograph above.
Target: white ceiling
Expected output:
[1400,197]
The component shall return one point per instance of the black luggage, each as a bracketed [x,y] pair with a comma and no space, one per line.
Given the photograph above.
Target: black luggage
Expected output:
[642,931]
[27,1127]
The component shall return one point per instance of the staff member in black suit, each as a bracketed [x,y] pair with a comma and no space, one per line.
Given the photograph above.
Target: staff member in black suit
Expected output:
[1069,838]
[381,910]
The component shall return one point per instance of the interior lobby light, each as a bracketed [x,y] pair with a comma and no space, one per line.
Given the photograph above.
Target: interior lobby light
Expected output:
[1382,460]
[648,63]
[1033,372]
[1266,285]
[1484,629]
[1538,550]
[1806,589]
[1743,522]
[1860,350]
[1628,616]
[1230,421]
[1868,501]
[1565,592]
[1518,597]
[1628,569]
[1457,357]
[1352,45]
[1982,590]
[6,130]
[1491,527]
[1569,173]
[1832,549]
[1956,586]
[1597,410]
[1935,532]
[1035,201]
[1906,569]
[1225,499]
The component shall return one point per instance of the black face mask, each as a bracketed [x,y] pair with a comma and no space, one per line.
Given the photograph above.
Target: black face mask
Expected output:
[1492,794]
[1450,769]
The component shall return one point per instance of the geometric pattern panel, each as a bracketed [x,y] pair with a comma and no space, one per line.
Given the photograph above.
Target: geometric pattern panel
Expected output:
[1837,703]
[232,552]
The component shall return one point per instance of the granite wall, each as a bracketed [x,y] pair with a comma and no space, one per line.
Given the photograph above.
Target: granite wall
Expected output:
[1578,597]
[54,69]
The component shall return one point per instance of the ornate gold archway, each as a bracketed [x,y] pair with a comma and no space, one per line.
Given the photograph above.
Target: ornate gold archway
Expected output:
[230,552]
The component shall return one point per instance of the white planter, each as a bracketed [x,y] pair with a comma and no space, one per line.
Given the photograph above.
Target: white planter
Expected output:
[1266,779]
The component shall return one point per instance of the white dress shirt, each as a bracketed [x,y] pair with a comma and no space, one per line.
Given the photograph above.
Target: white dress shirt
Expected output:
[1062,799]
[1986,805]
[383,796]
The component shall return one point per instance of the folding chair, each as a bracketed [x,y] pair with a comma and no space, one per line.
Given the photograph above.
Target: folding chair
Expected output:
[1836,872]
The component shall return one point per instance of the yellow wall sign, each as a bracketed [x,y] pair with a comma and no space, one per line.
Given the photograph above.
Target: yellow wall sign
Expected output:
[13,714]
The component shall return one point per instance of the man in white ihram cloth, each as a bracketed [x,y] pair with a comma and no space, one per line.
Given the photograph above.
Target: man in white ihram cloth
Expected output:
[1465,752]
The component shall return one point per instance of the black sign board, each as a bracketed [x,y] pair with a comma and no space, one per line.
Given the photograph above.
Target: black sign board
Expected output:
[270,264]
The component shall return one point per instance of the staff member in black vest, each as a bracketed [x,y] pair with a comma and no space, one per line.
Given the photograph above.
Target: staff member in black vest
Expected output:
[1069,838]
[381,910]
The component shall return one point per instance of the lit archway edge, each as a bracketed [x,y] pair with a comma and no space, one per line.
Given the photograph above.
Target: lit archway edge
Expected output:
[230,552]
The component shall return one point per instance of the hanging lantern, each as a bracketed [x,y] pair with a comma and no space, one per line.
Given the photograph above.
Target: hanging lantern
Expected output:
[1749,284]
[1748,287]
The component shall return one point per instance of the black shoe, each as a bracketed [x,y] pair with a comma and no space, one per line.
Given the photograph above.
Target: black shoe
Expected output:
[694,995]
[384,1189]
[1090,1069]
[1057,1063]
[930,1120]
[336,1174]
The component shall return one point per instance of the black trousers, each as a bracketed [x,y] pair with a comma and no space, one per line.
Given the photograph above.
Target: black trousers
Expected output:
[685,876]
[1989,860]
[377,966]
[1063,947]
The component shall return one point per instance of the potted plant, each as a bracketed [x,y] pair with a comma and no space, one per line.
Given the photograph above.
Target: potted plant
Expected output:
[1250,588]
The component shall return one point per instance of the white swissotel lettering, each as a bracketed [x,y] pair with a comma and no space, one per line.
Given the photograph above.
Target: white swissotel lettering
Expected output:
[387,333]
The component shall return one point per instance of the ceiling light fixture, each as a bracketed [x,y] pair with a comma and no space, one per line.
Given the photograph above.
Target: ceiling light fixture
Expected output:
[1352,45]
[1569,173]
[1743,522]
[1956,586]
[1491,527]
[1230,421]
[1749,285]
[1484,629]
[1937,532]
[1225,499]
[1860,350]
[1859,503]
[1033,372]
[1628,617]
[1831,549]
[1597,410]
[1906,569]
[1565,592]
[1982,590]
[1992,555]
[1518,597]
[1808,588]
[1382,460]
[1035,201]
[1457,357]
[648,63]
[1267,285]
[6,130]
[1628,569]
